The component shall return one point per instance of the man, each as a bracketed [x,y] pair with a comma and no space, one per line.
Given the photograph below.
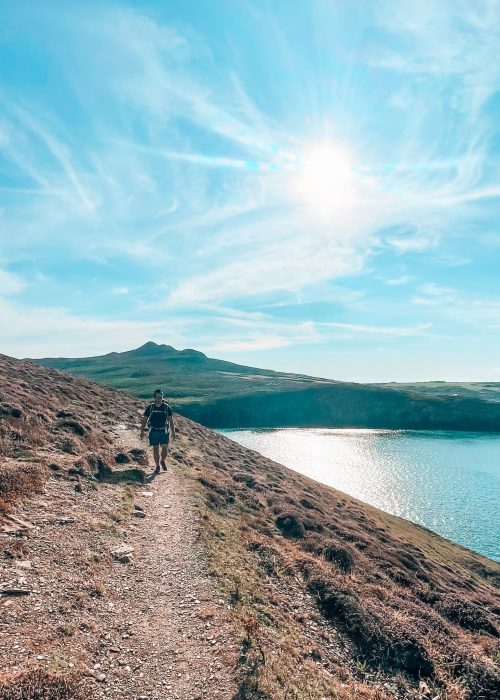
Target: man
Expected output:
[158,415]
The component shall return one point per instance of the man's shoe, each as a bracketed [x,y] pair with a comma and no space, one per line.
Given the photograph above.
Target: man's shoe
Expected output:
[157,470]
[164,466]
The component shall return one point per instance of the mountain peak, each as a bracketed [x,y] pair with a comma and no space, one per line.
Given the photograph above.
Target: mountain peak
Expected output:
[152,348]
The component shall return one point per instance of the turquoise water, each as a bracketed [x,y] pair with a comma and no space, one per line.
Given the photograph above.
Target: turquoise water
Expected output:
[447,481]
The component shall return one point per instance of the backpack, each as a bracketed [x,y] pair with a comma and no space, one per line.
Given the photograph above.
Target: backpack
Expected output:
[162,408]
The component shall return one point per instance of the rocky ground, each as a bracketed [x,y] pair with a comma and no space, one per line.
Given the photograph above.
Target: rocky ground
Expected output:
[104,584]
[115,583]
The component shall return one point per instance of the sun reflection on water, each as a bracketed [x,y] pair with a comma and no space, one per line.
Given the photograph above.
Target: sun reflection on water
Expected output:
[446,481]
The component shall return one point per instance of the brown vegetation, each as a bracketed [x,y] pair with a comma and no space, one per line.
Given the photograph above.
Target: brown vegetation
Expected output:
[39,684]
[19,479]
[331,598]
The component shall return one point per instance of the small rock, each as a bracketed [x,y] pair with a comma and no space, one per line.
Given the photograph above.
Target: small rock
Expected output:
[139,456]
[139,514]
[23,564]
[123,554]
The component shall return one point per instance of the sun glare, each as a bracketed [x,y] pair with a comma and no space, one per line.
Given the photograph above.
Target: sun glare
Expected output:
[324,180]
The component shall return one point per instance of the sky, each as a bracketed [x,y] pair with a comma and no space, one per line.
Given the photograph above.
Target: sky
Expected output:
[304,185]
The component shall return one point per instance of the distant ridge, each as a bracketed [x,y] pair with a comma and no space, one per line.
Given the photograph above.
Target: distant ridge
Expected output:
[218,393]
[151,348]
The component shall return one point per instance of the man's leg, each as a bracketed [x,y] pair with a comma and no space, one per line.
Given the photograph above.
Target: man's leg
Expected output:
[164,450]
[156,455]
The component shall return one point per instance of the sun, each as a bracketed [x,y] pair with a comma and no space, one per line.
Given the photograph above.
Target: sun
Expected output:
[324,179]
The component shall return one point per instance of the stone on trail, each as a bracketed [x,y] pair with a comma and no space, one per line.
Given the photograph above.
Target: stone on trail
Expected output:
[15,591]
[25,564]
[123,554]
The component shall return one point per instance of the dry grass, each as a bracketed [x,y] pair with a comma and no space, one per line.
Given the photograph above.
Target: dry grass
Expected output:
[18,480]
[48,417]
[40,684]
[333,598]
[119,517]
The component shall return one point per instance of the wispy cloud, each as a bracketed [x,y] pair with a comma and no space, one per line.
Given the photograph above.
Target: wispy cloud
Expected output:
[417,241]
[399,331]
[397,281]
[463,308]
[10,283]
[161,151]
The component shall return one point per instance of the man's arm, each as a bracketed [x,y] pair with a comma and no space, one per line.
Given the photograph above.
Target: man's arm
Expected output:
[172,425]
[143,425]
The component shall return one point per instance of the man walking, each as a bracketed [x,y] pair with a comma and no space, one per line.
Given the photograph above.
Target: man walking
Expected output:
[160,418]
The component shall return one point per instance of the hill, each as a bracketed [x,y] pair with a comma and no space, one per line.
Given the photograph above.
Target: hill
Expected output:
[226,395]
[486,391]
[228,577]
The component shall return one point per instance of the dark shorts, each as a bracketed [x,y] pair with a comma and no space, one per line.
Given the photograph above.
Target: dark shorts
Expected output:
[158,436]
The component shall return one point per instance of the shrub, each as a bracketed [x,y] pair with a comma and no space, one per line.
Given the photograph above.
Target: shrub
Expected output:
[19,480]
[6,409]
[466,614]
[39,684]
[306,503]
[139,456]
[67,445]
[98,467]
[247,479]
[72,425]
[377,643]
[340,556]
[290,526]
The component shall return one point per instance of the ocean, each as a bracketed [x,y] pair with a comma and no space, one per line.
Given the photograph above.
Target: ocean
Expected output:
[447,481]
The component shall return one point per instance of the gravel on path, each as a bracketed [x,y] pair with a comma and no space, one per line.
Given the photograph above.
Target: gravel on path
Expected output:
[172,637]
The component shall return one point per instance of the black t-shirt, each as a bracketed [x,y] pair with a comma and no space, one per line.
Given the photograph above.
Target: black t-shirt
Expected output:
[158,415]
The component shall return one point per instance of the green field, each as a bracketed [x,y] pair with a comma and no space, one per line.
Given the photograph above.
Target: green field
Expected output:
[186,376]
[486,391]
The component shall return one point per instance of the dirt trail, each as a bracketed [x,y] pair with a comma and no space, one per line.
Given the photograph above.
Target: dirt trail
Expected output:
[176,636]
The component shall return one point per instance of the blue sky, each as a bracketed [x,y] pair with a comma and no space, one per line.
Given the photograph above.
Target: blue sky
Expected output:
[311,186]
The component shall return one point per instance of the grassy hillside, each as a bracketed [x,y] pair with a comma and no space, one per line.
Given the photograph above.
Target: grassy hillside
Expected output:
[188,376]
[486,391]
[223,394]
[328,597]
